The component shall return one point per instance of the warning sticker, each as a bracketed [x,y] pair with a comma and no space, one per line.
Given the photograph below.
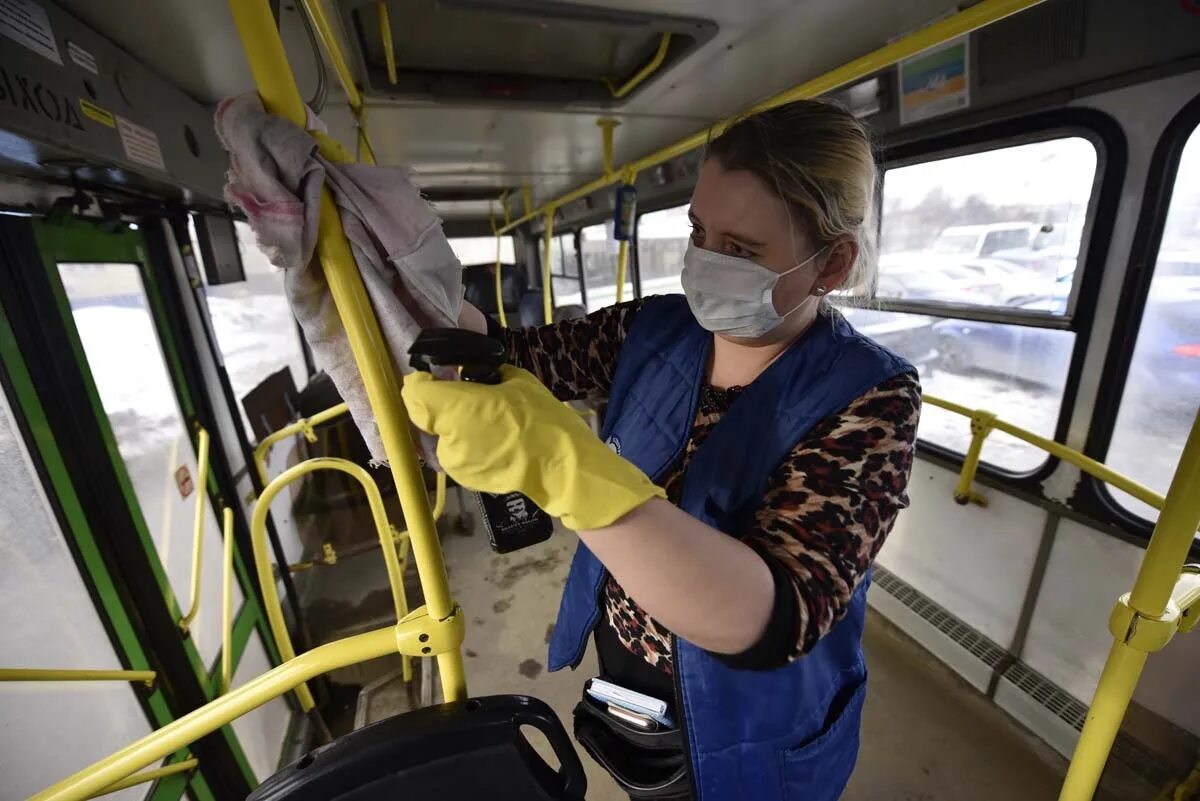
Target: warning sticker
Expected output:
[183,480]
[94,112]
[26,23]
[141,144]
[82,58]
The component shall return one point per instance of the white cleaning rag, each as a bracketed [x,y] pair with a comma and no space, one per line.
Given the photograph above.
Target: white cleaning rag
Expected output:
[411,275]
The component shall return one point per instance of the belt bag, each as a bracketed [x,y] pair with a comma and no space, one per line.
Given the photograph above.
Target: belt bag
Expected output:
[646,764]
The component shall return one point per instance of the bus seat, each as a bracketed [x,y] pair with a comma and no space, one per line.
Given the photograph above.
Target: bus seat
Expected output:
[479,286]
[530,312]
[571,311]
[463,751]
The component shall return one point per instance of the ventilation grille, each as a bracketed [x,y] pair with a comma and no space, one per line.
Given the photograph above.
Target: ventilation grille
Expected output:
[1028,43]
[1046,693]
[940,618]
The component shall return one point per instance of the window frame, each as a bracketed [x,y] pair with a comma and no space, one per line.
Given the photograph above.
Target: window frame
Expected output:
[1095,497]
[1107,137]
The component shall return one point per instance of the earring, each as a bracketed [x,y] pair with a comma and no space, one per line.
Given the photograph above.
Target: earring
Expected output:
[820,289]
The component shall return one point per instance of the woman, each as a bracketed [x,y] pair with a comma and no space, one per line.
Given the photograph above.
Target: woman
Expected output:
[779,441]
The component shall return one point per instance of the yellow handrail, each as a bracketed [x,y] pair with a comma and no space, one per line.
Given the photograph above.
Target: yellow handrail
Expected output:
[645,72]
[984,422]
[227,603]
[971,19]
[149,776]
[262,559]
[277,86]
[201,489]
[1142,622]
[145,677]
[417,635]
[389,47]
[303,426]
[547,245]
[324,29]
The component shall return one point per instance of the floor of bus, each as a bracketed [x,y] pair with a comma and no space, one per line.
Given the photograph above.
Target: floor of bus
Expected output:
[927,734]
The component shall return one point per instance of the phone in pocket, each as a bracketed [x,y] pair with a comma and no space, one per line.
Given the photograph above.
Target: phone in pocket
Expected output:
[631,701]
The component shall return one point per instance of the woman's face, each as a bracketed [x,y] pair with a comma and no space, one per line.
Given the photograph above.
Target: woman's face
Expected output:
[735,213]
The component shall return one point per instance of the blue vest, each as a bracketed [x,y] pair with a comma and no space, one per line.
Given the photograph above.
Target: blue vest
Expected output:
[787,733]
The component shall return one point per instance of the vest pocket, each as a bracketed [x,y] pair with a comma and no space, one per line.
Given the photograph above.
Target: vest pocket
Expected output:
[818,769]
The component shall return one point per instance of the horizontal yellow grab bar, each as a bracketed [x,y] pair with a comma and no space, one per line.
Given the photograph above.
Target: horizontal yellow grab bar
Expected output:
[54,674]
[1057,449]
[301,426]
[964,22]
[149,776]
[217,713]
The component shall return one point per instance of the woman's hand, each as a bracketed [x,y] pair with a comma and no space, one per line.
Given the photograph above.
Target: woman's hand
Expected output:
[515,436]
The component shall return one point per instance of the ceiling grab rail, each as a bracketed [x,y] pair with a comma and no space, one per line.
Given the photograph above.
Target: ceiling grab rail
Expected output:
[262,560]
[651,67]
[358,108]
[971,19]
[201,490]
[1165,599]
[277,86]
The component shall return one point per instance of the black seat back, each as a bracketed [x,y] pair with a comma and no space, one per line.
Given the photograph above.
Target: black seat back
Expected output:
[464,751]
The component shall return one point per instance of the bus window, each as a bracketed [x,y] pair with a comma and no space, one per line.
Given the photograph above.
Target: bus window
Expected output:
[254,325]
[998,228]
[1016,371]
[472,250]
[599,252]
[662,240]
[564,271]
[1162,387]
[49,621]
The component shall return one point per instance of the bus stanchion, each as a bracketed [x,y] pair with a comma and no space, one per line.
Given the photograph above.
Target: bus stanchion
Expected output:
[277,87]
[1165,598]
[227,602]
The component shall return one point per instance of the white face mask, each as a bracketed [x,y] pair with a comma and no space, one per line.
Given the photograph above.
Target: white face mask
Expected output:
[732,295]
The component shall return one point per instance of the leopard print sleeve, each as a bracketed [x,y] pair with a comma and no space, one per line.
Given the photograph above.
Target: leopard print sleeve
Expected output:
[575,359]
[830,507]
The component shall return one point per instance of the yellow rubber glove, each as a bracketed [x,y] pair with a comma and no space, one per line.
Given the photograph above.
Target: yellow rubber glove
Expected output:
[516,437]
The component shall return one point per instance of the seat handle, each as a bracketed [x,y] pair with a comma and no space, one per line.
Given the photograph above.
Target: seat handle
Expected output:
[571,769]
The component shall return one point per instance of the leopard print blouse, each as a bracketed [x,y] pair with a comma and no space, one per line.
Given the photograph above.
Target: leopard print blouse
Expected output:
[828,509]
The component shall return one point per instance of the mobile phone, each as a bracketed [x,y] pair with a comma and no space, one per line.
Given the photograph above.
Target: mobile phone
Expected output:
[638,703]
[643,722]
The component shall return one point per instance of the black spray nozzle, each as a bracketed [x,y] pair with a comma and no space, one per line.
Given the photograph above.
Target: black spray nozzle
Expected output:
[478,355]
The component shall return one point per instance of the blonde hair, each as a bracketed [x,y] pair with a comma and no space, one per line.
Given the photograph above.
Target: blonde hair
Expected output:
[818,158]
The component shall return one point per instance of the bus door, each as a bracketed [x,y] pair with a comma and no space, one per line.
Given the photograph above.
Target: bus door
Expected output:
[91,317]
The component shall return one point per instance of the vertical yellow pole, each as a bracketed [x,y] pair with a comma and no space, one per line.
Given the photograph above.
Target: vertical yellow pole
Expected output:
[607,124]
[622,260]
[981,426]
[277,86]
[500,286]
[547,245]
[198,527]
[389,47]
[1156,578]
[227,604]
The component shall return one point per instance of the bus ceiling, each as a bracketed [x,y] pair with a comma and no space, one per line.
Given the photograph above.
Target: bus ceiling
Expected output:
[494,95]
